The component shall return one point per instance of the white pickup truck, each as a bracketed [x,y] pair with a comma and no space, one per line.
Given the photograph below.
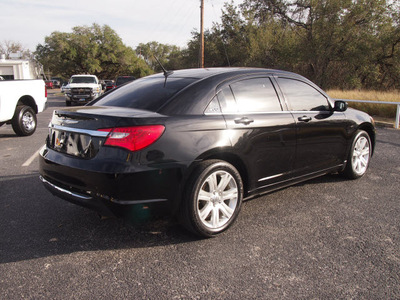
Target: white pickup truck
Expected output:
[20,101]
[82,89]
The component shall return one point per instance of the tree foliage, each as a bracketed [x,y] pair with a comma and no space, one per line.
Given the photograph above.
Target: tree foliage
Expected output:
[171,57]
[342,44]
[95,50]
[335,43]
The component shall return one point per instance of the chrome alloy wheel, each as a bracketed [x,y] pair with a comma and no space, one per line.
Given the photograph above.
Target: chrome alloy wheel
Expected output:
[361,155]
[217,199]
[28,121]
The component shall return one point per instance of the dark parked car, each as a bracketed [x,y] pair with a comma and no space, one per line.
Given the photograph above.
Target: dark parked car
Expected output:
[109,85]
[123,79]
[200,141]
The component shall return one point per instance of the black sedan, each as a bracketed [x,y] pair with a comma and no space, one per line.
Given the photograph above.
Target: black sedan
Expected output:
[197,142]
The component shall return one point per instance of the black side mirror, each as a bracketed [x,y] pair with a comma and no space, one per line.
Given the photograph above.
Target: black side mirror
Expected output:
[340,105]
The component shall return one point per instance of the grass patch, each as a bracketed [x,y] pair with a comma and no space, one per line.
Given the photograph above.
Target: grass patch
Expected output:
[381,110]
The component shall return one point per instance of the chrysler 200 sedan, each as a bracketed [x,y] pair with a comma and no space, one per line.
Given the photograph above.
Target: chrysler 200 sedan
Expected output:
[199,141]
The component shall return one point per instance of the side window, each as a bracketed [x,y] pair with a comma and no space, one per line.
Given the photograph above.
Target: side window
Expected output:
[302,96]
[226,100]
[255,95]
[213,107]
[249,95]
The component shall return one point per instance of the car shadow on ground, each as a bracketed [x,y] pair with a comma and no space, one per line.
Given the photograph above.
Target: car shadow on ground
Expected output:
[37,224]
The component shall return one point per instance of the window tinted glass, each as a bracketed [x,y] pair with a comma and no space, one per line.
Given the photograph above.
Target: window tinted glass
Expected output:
[302,96]
[255,95]
[83,79]
[226,100]
[213,107]
[146,93]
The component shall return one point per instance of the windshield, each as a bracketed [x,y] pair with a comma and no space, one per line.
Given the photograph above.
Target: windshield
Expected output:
[83,79]
[147,93]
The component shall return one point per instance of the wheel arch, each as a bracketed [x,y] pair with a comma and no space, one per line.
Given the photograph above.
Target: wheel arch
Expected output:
[227,155]
[368,128]
[28,101]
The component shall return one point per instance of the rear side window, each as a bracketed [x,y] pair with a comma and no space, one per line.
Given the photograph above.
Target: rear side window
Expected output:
[302,96]
[249,95]
[149,93]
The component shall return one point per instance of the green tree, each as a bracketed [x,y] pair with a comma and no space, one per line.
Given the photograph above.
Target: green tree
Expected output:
[96,50]
[335,43]
[170,56]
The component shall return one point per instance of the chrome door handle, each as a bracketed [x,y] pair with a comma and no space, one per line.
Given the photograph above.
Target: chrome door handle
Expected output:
[304,119]
[244,120]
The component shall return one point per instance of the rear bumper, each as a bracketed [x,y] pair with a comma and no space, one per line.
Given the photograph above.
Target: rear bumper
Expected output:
[110,192]
[84,200]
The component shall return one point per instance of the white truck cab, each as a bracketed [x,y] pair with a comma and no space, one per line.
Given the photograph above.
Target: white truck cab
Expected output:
[82,89]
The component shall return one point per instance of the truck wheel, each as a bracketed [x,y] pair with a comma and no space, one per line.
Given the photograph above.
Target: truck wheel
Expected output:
[24,121]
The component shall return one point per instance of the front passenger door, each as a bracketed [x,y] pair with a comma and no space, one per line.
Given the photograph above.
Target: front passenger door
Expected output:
[321,136]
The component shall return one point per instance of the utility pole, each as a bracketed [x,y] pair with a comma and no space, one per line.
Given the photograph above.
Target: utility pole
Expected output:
[201,34]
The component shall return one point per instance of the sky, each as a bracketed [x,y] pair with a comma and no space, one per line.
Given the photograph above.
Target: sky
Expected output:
[165,21]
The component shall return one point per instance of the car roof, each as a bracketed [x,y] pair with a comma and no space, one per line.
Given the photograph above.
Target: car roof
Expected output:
[206,84]
[201,73]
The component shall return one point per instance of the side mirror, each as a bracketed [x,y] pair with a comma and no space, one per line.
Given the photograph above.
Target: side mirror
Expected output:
[340,105]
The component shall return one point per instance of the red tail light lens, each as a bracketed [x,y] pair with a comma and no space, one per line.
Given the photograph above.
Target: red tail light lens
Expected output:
[133,138]
[45,91]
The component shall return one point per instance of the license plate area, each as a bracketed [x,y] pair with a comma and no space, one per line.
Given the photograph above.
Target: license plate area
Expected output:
[72,143]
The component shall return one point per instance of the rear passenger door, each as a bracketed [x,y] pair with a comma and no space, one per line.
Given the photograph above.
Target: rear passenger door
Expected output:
[321,136]
[262,133]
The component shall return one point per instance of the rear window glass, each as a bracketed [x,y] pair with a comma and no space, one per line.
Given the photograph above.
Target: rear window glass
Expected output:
[147,93]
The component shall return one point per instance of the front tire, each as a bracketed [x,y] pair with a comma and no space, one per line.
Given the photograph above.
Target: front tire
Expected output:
[213,198]
[359,156]
[24,121]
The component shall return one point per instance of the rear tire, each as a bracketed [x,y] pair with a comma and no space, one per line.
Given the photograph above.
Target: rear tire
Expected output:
[359,156]
[24,121]
[213,198]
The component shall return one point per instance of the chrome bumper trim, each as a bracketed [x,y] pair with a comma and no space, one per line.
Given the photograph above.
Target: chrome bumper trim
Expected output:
[80,196]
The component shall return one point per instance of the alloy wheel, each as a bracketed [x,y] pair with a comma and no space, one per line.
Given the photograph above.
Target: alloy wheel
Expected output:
[361,155]
[217,199]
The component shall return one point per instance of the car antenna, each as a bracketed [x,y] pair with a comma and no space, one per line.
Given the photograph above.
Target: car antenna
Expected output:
[166,73]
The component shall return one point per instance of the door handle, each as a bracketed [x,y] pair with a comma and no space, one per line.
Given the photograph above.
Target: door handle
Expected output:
[304,119]
[244,120]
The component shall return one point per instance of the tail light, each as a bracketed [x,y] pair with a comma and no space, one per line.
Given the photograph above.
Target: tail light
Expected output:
[133,138]
[45,91]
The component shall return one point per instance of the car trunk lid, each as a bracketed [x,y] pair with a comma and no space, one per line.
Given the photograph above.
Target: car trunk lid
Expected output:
[78,131]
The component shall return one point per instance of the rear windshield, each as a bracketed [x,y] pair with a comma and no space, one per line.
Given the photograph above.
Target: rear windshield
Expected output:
[147,93]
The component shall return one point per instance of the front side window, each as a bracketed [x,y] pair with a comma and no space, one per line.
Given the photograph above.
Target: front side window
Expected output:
[302,96]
